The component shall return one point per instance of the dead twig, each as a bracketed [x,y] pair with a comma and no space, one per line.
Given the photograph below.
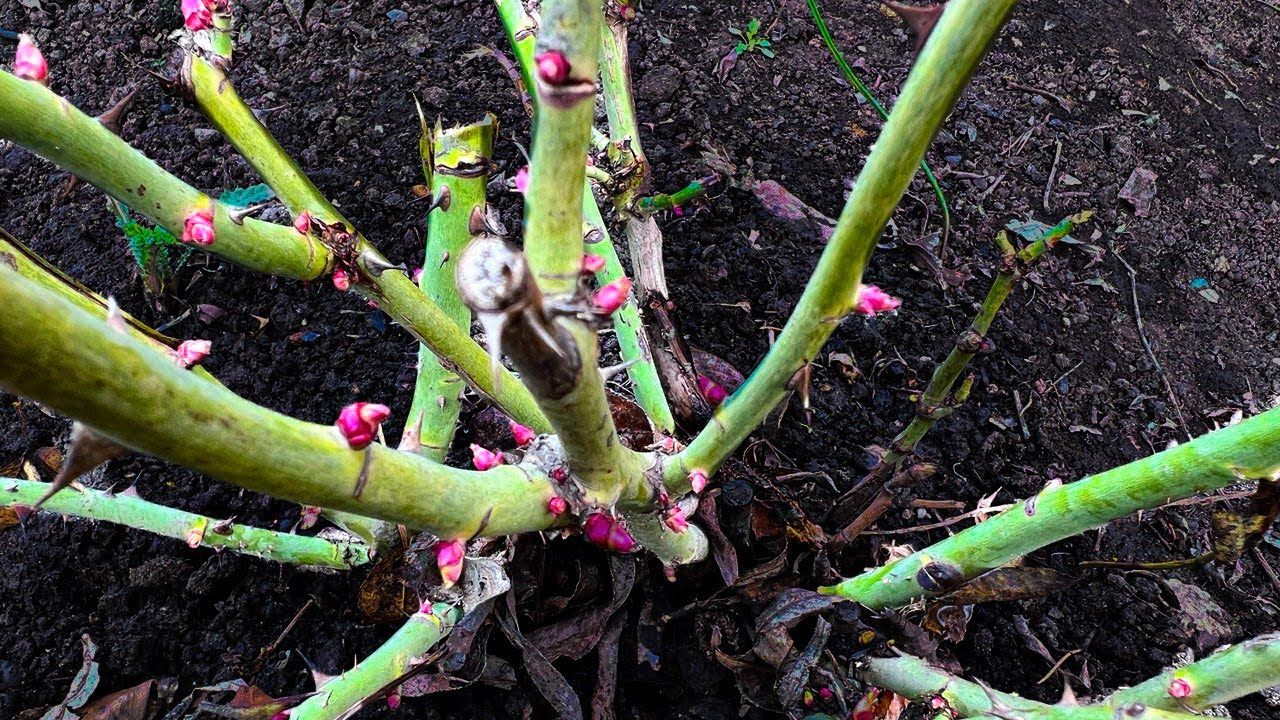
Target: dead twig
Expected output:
[1146,343]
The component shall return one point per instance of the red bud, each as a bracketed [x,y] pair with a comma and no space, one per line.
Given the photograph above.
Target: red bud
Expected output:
[698,479]
[523,435]
[450,555]
[358,423]
[608,532]
[341,280]
[310,515]
[711,391]
[191,352]
[302,222]
[197,15]
[1180,688]
[557,506]
[612,296]
[393,700]
[29,62]
[484,458]
[559,474]
[825,693]
[198,227]
[675,520]
[521,180]
[553,67]
[872,300]
[592,264]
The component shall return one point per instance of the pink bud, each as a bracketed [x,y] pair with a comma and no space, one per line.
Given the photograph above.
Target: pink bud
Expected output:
[825,693]
[592,264]
[310,515]
[484,458]
[29,62]
[606,531]
[559,474]
[698,479]
[449,557]
[191,352]
[1180,688]
[612,296]
[358,423]
[341,280]
[417,275]
[393,700]
[197,15]
[523,435]
[198,228]
[521,181]
[302,222]
[675,520]
[872,300]
[669,444]
[553,67]
[557,505]
[711,391]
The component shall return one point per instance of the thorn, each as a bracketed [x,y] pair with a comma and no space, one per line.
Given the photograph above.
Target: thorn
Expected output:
[113,118]
[607,373]
[492,323]
[87,451]
[237,215]
[920,18]
[442,200]
[800,383]
[535,322]
[376,264]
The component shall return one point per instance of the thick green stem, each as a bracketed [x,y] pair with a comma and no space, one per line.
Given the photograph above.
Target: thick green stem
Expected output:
[628,327]
[934,402]
[633,340]
[620,108]
[456,163]
[1229,673]
[48,125]
[381,672]
[67,358]
[394,292]
[1249,450]
[942,70]
[195,530]
[672,548]
[562,130]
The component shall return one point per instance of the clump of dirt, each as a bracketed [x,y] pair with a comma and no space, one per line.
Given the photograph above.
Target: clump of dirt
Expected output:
[1073,100]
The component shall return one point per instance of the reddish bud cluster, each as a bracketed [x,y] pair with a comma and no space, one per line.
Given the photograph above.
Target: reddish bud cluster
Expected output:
[358,423]
[522,434]
[197,15]
[559,474]
[309,517]
[198,227]
[483,458]
[449,557]
[711,391]
[29,62]
[608,532]
[1180,688]
[557,506]
[341,280]
[191,352]
[612,296]
[553,67]
[675,519]
[872,300]
[592,264]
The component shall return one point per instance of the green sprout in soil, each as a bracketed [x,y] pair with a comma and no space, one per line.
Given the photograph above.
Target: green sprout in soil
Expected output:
[578,469]
[750,40]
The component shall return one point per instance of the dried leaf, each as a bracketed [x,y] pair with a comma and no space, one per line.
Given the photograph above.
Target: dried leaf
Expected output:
[1139,190]
[633,425]
[781,203]
[949,620]
[135,703]
[464,660]
[607,670]
[383,596]
[794,674]
[250,703]
[1009,583]
[549,681]
[82,687]
[791,607]
[576,636]
[725,554]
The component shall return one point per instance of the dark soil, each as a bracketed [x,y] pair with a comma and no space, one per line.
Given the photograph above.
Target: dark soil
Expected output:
[1184,89]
